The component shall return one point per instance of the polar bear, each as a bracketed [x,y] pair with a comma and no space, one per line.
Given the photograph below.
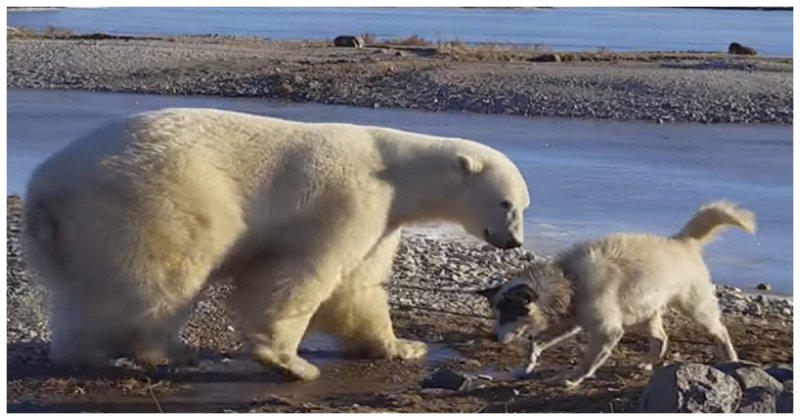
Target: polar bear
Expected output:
[127,224]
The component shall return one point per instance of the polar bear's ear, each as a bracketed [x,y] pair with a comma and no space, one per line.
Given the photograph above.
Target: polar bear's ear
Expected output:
[469,165]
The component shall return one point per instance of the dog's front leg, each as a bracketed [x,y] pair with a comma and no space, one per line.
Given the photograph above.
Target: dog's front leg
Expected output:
[533,354]
[535,349]
[600,346]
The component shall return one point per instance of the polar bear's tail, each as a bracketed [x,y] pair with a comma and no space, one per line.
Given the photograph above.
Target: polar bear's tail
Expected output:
[708,221]
[39,234]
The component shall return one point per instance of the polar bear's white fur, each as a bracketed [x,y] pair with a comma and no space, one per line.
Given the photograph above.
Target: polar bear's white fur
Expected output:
[127,224]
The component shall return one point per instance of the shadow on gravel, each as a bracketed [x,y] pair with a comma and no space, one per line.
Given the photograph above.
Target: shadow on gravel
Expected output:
[37,366]
[116,407]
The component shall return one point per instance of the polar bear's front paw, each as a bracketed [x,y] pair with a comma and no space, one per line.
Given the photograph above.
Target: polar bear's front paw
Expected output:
[298,368]
[409,349]
[291,365]
[150,361]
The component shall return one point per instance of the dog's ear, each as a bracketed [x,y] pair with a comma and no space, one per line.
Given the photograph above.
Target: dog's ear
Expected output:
[528,295]
[489,293]
[523,293]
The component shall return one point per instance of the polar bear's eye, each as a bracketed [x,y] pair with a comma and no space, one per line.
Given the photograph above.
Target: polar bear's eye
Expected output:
[505,204]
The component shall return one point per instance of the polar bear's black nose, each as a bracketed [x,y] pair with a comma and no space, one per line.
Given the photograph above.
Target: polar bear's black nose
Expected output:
[512,243]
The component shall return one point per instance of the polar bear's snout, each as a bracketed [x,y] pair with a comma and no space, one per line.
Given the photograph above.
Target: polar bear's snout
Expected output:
[509,242]
[507,230]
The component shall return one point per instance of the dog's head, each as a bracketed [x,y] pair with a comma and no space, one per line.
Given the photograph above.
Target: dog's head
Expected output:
[511,305]
[531,302]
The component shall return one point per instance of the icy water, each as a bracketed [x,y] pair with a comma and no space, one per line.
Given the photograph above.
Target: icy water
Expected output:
[623,29]
[587,177]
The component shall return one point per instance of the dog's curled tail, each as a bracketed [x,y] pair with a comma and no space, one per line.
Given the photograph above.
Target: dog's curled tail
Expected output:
[712,217]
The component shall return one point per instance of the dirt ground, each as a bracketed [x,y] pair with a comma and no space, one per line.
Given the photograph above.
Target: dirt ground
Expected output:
[233,383]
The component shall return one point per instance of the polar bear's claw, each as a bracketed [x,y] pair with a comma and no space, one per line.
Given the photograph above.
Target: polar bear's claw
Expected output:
[409,349]
[299,369]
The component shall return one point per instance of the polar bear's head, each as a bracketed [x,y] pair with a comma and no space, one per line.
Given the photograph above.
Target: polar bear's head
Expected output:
[493,197]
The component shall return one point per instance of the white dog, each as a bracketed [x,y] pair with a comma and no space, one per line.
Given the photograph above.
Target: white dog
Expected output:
[606,285]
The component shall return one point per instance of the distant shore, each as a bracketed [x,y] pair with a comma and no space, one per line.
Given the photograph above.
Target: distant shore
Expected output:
[766,9]
[32,9]
[415,74]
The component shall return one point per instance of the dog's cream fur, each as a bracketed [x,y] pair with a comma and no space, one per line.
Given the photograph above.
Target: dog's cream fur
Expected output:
[619,281]
[127,224]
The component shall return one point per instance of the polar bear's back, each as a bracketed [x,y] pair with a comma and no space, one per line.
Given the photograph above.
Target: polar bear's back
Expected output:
[164,142]
[225,169]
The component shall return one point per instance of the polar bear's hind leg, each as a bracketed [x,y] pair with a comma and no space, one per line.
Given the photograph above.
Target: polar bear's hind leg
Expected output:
[276,299]
[358,311]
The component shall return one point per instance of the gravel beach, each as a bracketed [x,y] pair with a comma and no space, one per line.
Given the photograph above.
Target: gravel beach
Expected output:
[659,87]
[431,300]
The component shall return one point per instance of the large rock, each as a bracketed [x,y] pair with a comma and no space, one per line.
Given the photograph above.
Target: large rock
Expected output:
[781,372]
[547,58]
[729,367]
[447,379]
[759,400]
[785,402]
[348,41]
[691,388]
[737,48]
[753,377]
[760,390]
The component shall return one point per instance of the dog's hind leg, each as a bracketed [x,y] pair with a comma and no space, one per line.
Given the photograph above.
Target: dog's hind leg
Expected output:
[658,342]
[709,318]
[703,309]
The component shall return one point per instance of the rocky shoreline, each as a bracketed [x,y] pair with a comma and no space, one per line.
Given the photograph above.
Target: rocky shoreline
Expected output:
[662,87]
[431,298]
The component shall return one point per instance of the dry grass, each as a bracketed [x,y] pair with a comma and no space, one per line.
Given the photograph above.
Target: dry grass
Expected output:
[502,52]
[65,34]
[462,51]
[369,38]
[409,41]
[50,32]
[216,39]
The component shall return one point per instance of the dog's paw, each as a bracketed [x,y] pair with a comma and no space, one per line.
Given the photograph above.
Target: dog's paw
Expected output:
[533,361]
[557,380]
[567,379]
[647,367]
[528,371]
[523,374]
